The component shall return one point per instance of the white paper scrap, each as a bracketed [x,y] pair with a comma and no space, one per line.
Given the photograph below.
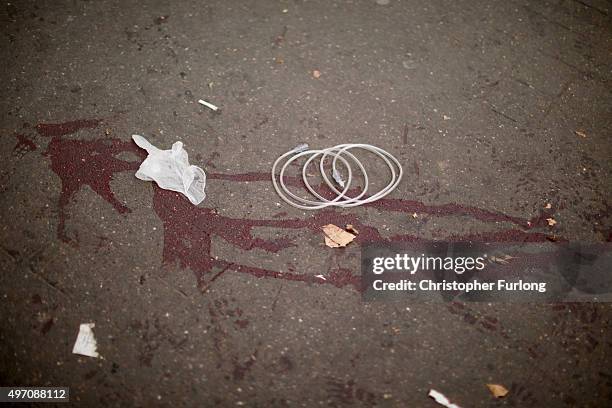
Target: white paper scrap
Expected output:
[441,399]
[85,343]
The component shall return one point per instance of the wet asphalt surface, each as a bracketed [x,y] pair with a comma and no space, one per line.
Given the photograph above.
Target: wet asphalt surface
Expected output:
[493,108]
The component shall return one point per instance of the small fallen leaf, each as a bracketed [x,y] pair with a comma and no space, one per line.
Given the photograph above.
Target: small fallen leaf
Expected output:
[316,73]
[580,133]
[498,391]
[548,206]
[336,237]
[330,243]
[551,221]
[351,229]
[279,60]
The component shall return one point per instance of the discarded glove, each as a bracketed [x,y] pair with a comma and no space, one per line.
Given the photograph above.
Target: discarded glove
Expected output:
[170,169]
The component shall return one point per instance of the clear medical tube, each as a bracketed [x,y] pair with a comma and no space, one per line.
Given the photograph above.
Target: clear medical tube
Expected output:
[339,153]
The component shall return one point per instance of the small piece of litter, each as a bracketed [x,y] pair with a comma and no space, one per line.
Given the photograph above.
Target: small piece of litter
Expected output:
[580,133]
[548,206]
[441,399]
[446,117]
[504,259]
[85,343]
[351,229]
[208,104]
[316,73]
[336,237]
[320,277]
[414,215]
[551,222]
[498,391]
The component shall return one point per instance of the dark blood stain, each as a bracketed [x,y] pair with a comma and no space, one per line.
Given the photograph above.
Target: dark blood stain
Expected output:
[504,236]
[242,323]
[93,163]
[241,369]
[285,364]
[469,318]
[409,206]
[47,326]
[24,144]
[66,128]
[349,393]
[488,326]
[188,230]
[253,176]
[342,276]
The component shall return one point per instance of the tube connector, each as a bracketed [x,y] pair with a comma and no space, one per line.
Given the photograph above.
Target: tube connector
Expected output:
[300,148]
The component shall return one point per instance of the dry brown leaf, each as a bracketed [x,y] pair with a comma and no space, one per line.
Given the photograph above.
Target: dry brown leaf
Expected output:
[498,391]
[316,73]
[331,243]
[580,133]
[551,221]
[351,229]
[548,206]
[336,237]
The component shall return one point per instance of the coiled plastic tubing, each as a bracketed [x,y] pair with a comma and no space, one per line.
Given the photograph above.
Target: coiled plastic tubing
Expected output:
[342,153]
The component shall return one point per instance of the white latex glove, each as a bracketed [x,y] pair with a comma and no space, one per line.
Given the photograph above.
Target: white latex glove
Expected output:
[170,169]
